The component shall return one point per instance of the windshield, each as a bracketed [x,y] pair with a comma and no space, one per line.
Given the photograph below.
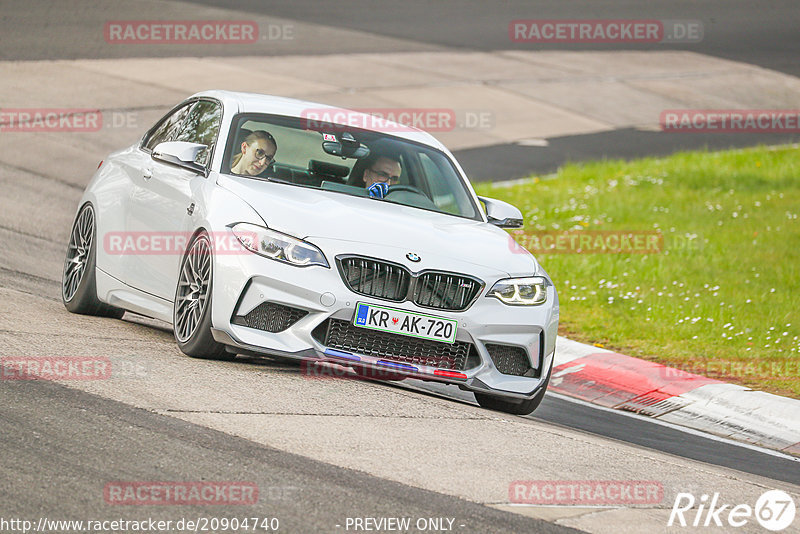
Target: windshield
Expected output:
[380,167]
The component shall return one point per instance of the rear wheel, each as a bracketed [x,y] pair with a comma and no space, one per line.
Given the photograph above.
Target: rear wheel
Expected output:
[78,284]
[192,310]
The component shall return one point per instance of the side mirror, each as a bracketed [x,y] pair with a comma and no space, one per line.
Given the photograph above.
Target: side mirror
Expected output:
[181,153]
[501,213]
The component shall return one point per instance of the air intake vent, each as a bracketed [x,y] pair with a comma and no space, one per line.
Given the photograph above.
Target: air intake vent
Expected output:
[342,335]
[270,317]
[510,360]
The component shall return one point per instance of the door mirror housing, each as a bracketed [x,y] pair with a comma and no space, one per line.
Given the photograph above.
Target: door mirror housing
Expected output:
[501,213]
[181,153]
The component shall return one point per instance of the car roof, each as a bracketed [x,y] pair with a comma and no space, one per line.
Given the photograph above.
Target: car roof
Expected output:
[278,105]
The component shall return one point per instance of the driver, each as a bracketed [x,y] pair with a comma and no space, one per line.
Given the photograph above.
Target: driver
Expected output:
[257,153]
[380,172]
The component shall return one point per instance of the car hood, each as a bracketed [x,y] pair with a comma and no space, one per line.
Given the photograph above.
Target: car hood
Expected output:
[362,225]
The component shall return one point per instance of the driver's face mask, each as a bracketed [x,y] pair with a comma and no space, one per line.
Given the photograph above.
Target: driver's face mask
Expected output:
[378,189]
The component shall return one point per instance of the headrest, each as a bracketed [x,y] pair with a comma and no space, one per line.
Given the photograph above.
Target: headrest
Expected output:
[328,169]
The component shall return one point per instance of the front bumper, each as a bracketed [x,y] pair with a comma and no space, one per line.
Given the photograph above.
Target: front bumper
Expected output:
[244,282]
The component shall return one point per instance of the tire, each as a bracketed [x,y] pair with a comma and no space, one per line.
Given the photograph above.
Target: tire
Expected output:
[191,315]
[78,282]
[491,402]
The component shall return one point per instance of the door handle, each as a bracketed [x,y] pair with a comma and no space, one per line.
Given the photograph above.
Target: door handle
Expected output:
[147,174]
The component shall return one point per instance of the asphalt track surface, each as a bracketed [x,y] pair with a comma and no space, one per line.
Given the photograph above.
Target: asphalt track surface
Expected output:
[97,440]
[66,443]
[562,411]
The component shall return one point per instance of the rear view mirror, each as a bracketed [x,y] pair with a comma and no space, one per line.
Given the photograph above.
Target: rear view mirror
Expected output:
[345,146]
[180,153]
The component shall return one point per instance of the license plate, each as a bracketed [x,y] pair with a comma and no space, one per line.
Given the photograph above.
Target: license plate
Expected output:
[418,325]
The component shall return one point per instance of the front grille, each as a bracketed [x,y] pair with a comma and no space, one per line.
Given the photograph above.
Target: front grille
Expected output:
[375,278]
[445,291]
[270,317]
[391,281]
[342,335]
[510,360]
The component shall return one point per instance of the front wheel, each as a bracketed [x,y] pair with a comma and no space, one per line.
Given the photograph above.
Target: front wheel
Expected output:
[78,285]
[191,316]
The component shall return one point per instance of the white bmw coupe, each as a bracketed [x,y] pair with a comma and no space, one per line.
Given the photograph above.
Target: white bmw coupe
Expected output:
[255,229]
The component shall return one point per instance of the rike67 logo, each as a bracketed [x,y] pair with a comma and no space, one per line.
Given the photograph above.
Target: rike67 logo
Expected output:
[774,510]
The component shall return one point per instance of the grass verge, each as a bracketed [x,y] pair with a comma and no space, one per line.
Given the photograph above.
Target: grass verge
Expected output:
[719,295]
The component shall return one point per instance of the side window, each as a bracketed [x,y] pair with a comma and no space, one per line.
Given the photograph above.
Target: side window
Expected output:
[201,126]
[167,129]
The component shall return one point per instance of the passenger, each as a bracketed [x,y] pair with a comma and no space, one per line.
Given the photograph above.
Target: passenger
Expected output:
[257,154]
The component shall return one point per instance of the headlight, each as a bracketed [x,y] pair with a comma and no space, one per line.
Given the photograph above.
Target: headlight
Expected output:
[521,291]
[278,246]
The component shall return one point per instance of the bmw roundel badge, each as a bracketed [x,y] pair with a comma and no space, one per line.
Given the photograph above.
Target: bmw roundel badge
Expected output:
[413,257]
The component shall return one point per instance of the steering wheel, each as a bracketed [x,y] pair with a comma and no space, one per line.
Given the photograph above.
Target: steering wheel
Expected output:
[410,196]
[407,188]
